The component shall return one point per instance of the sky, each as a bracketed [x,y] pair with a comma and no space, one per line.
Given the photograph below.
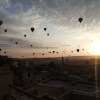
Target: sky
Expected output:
[60,17]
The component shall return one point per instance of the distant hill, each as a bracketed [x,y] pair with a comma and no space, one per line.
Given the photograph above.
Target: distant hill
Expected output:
[59,58]
[78,57]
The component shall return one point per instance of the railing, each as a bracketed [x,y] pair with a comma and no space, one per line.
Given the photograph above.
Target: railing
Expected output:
[89,90]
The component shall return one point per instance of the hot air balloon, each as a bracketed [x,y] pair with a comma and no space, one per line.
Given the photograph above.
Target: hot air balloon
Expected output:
[80,19]
[32,29]
[5,30]
[48,34]
[31,45]
[57,52]
[1,22]
[53,51]
[77,50]
[71,51]
[45,29]
[43,54]
[87,53]
[16,43]
[4,51]
[24,35]
[33,53]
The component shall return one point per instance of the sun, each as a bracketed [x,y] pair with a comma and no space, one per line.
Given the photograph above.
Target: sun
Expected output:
[95,48]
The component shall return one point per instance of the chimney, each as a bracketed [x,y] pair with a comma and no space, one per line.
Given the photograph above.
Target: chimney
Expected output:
[62,61]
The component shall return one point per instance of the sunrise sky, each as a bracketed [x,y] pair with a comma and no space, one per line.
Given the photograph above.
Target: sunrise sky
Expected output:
[60,17]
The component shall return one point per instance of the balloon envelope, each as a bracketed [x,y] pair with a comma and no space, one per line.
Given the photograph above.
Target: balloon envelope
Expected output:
[1,22]
[33,53]
[32,29]
[24,35]
[80,20]
[4,51]
[77,50]
[45,29]
[5,30]
[48,34]
[16,42]
[53,51]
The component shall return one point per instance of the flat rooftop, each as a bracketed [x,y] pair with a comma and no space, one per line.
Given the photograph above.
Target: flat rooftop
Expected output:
[82,88]
[55,83]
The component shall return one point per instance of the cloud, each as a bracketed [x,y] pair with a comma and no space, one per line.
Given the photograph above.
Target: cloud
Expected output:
[65,13]
[59,16]
[59,12]
[6,42]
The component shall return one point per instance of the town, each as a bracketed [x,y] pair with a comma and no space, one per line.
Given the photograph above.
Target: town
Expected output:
[51,79]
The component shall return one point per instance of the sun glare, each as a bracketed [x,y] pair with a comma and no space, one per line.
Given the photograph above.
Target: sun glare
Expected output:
[95,48]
